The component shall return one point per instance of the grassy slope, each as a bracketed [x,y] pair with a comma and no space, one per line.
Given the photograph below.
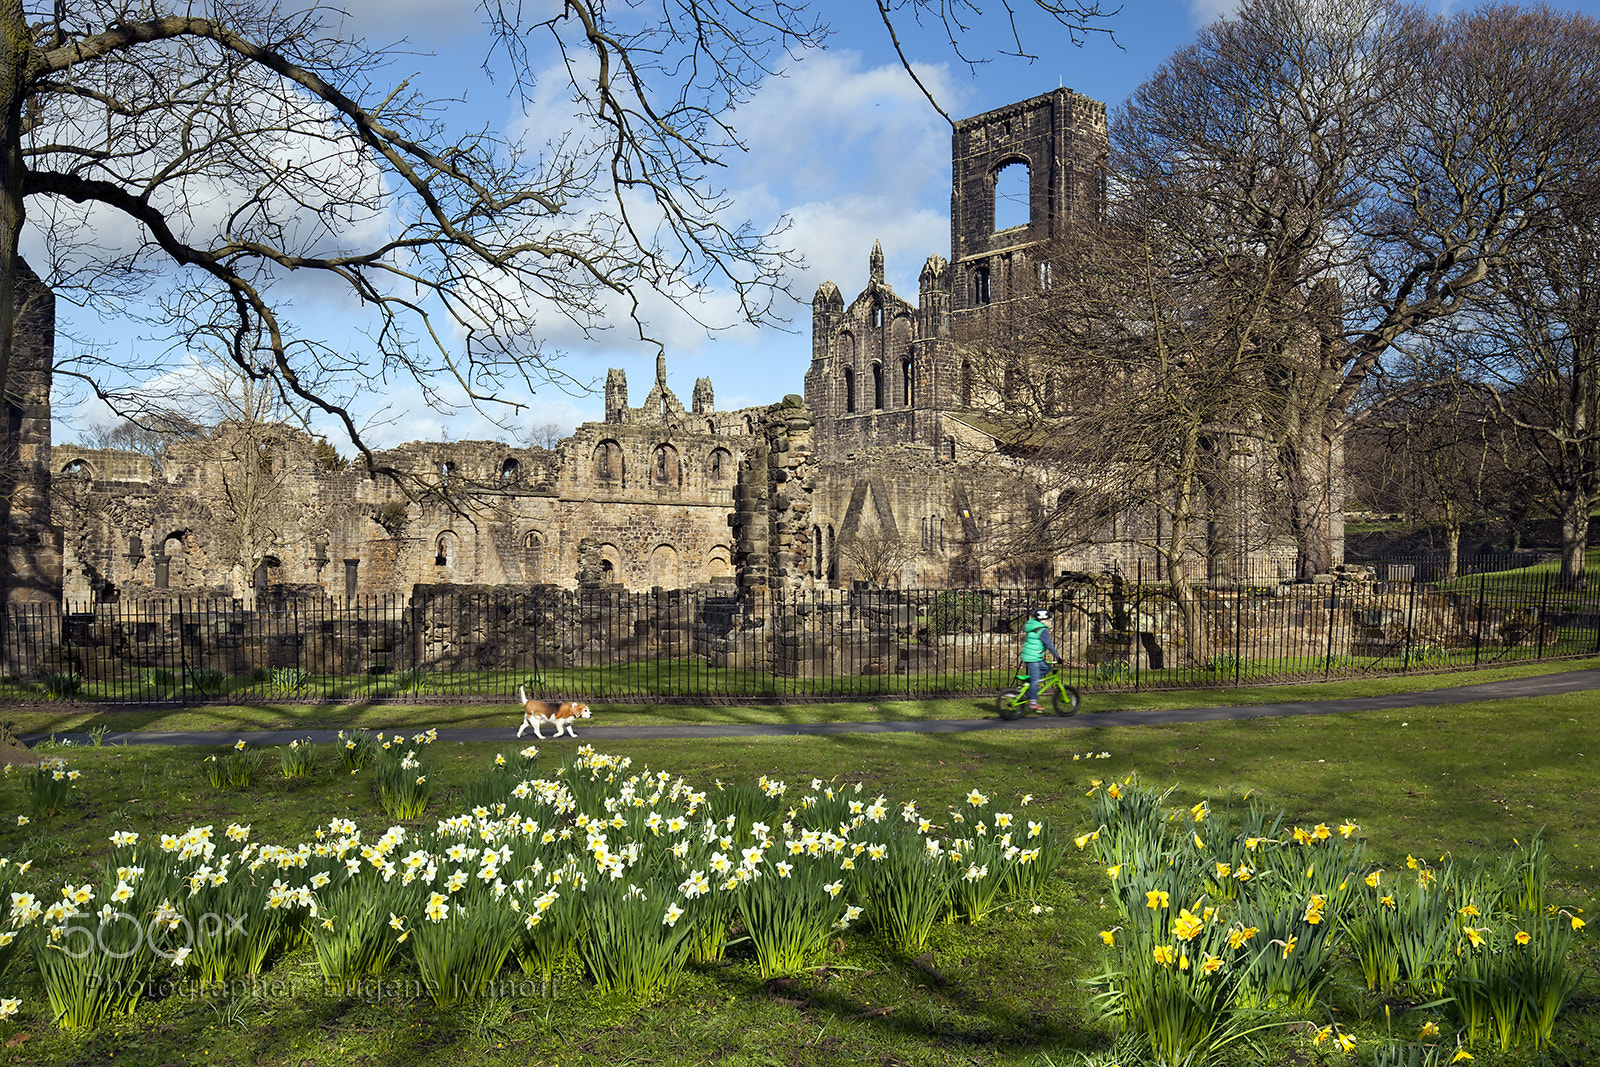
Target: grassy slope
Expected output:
[1428,781]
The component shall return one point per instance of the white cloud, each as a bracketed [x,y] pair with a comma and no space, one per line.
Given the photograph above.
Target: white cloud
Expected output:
[1205,12]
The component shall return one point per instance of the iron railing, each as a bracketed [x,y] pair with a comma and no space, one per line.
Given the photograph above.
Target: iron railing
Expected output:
[711,645]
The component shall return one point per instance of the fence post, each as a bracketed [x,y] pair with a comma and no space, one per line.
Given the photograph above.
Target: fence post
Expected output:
[1477,640]
[1411,618]
[1327,661]
[1138,597]
[1544,609]
[1238,636]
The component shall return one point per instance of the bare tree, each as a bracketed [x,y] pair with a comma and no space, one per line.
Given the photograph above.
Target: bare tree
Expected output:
[1131,380]
[1539,355]
[247,140]
[544,435]
[1377,164]
[1436,452]
[147,439]
[877,558]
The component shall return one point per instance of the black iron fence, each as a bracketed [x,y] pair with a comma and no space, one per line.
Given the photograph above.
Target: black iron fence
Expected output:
[709,646]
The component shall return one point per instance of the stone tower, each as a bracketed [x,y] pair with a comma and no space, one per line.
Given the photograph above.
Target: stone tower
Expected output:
[887,372]
[1047,155]
[616,394]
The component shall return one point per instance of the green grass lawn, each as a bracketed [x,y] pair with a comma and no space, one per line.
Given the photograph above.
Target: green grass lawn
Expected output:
[1459,780]
[45,719]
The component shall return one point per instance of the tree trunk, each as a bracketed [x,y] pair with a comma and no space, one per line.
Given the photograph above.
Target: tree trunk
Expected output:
[15,45]
[1177,551]
[1574,537]
[1452,548]
[1313,498]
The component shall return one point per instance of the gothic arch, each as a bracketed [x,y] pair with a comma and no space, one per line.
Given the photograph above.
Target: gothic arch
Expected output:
[719,466]
[1011,181]
[664,567]
[665,468]
[446,550]
[608,465]
[533,562]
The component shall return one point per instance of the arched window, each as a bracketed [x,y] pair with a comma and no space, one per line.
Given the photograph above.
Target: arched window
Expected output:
[907,395]
[877,386]
[980,286]
[877,316]
[533,557]
[966,384]
[508,471]
[664,467]
[849,390]
[446,471]
[719,467]
[1012,204]
[445,549]
[608,466]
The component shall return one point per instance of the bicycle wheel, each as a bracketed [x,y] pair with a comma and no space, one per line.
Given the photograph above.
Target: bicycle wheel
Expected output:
[1064,704]
[1006,704]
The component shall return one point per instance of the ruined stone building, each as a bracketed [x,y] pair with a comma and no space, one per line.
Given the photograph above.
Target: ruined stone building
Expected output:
[883,445]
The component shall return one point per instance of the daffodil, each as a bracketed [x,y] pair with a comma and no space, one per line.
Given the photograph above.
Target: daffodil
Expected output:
[1523,937]
[1109,936]
[1187,926]
[1155,898]
[1163,954]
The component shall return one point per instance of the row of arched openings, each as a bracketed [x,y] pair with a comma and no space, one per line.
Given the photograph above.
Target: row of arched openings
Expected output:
[609,466]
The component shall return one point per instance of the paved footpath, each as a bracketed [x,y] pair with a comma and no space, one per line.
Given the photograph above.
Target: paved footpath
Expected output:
[1537,686]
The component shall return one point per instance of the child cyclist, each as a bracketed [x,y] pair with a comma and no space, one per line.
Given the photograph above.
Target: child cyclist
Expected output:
[1036,644]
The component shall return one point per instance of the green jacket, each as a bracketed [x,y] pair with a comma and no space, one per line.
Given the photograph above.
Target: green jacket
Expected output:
[1036,641]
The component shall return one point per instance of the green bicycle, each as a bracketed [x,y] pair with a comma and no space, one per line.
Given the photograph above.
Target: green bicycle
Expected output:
[1064,699]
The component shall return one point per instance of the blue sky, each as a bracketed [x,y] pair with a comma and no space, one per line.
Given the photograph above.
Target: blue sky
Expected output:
[843,144]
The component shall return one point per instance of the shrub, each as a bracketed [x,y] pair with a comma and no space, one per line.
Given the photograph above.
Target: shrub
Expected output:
[290,679]
[47,787]
[298,759]
[62,685]
[1116,671]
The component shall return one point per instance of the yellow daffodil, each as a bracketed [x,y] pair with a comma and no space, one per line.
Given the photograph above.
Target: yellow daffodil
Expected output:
[1109,936]
[1163,955]
[1187,926]
[1374,878]
[1523,937]
[1113,871]
[1156,898]
[1429,1029]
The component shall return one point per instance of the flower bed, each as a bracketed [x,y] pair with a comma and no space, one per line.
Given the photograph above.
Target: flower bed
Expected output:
[633,873]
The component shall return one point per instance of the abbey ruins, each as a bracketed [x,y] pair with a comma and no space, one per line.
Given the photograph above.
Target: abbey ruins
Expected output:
[882,449]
